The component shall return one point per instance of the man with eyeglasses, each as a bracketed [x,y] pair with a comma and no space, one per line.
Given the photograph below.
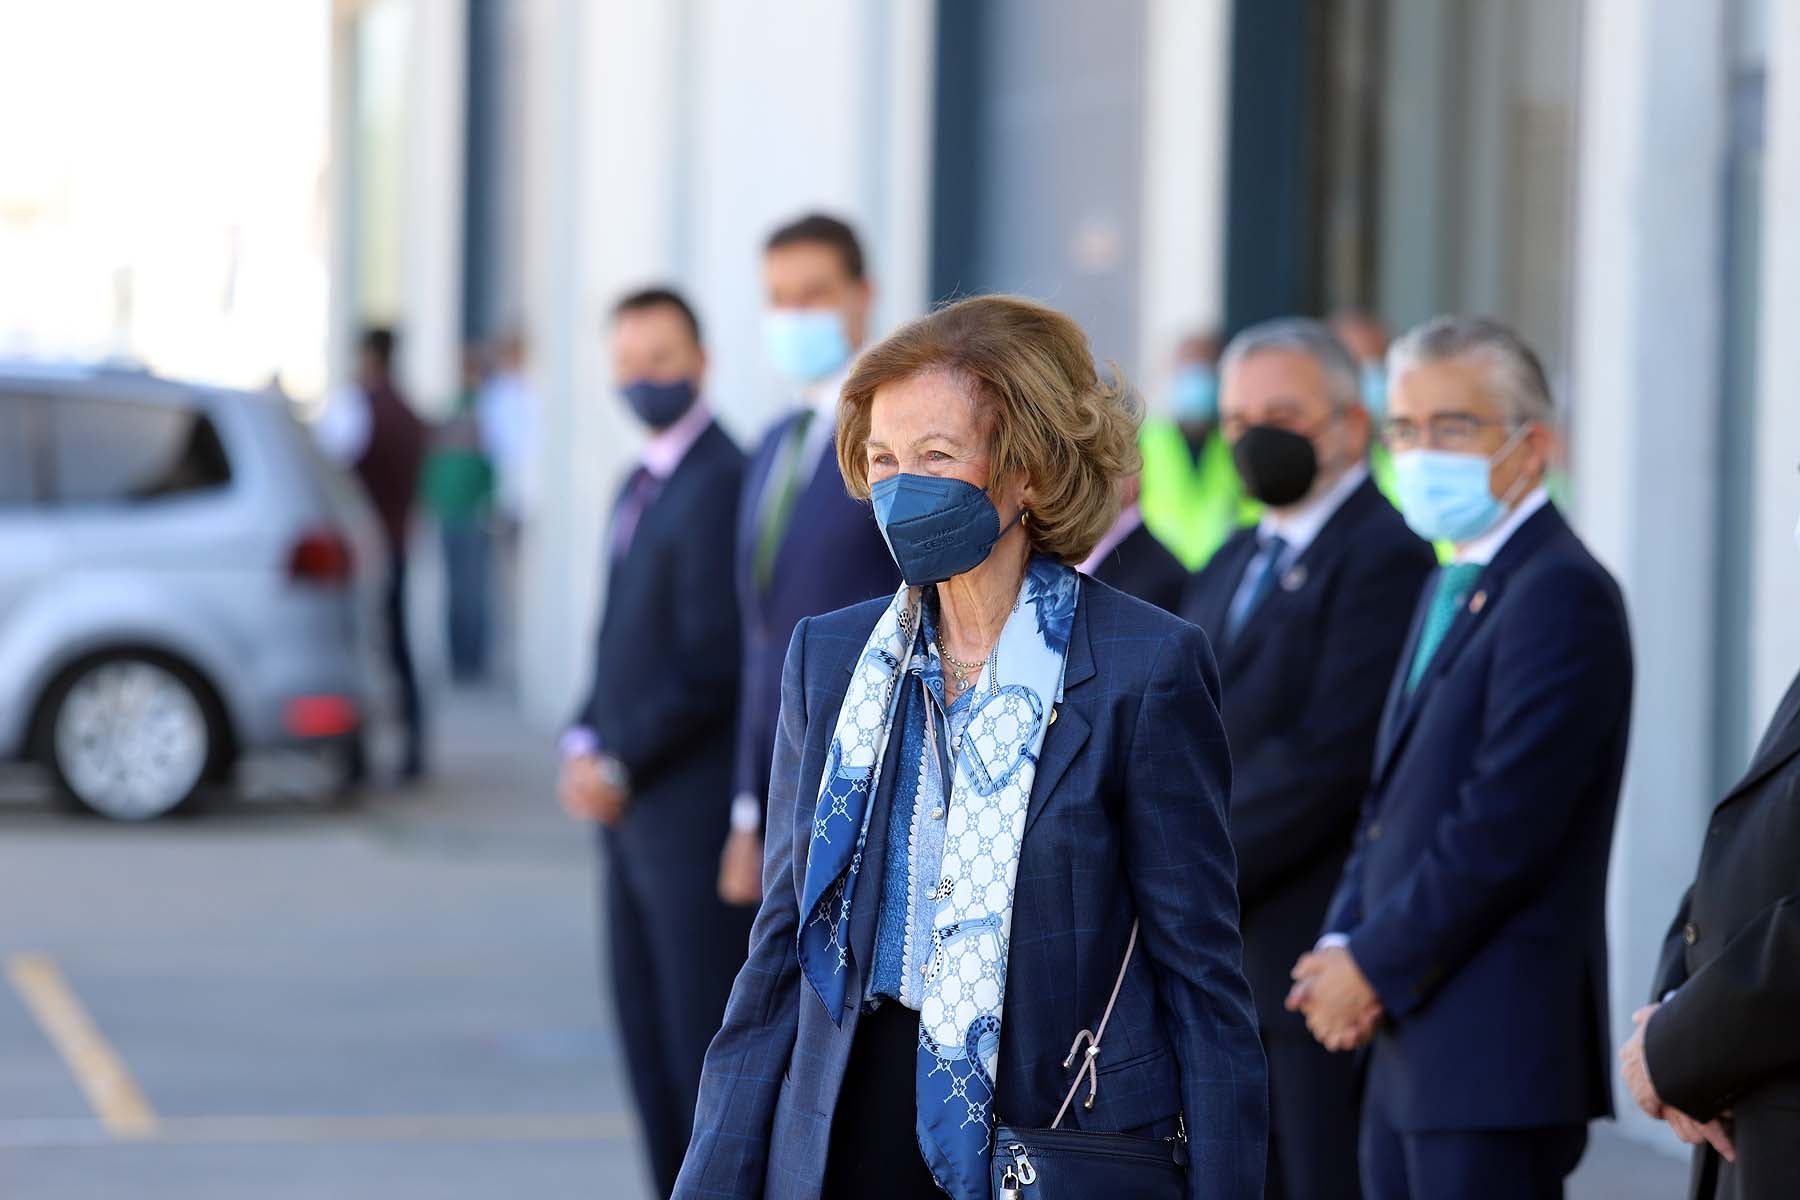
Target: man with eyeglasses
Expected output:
[1307,611]
[1466,943]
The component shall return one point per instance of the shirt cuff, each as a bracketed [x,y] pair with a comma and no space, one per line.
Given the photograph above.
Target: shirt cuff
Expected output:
[580,741]
[1331,941]
[746,814]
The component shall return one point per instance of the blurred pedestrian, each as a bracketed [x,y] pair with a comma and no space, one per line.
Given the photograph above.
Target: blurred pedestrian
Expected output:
[804,546]
[1129,557]
[458,489]
[1717,1051]
[1307,611]
[1191,497]
[649,756]
[1467,938]
[371,428]
[507,411]
[940,923]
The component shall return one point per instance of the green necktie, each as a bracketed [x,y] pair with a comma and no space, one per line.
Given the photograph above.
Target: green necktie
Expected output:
[784,490]
[1453,583]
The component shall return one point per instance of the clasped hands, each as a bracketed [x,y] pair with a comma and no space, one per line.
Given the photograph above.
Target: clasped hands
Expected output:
[1341,1008]
[1636,1072]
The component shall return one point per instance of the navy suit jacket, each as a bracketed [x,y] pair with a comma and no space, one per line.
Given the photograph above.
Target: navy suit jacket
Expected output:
[1126,820]
[1304,683]
[1475,899]
[1141,566]
[664,695]
[832,555]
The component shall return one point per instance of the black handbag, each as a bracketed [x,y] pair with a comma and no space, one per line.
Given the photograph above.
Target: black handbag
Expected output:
[1069,1164]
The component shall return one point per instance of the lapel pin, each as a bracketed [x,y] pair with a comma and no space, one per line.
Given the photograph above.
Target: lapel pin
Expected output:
[1294,580]
[1477,602]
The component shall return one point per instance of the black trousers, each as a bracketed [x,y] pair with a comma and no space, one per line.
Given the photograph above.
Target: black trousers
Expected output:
[400,656]
[675,949]
[874,1146]
[1314,1102]
[1471,1164]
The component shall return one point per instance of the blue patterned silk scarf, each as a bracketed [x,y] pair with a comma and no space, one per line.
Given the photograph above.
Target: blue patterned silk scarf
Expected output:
[965,979]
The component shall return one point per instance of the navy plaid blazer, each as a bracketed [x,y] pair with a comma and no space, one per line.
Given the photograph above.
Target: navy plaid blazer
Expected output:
[1127,819]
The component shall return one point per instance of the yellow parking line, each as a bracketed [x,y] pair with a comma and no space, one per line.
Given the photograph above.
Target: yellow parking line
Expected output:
[98,1070]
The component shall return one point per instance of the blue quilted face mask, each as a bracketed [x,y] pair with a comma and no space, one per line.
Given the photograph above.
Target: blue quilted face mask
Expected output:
[936,527]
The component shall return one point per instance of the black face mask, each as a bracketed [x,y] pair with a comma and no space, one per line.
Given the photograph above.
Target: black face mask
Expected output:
[1277,466]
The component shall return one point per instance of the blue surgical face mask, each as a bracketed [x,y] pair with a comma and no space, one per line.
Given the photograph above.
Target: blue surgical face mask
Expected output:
[936,527]
[806,344]
[1374,389]
[659,405]
[1194,394]
[1445,497]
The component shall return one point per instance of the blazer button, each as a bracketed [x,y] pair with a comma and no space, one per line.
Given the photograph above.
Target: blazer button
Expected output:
[1374,833]
[1689,933]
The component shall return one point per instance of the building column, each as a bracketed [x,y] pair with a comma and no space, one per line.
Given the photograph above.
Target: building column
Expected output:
[1187,92]
[1775,560]
[1644,434]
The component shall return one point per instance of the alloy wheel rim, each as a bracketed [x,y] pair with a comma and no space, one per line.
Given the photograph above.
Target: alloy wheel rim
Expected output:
[131,739]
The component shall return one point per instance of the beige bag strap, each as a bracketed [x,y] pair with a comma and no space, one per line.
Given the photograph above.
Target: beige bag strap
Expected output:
[1090,1068]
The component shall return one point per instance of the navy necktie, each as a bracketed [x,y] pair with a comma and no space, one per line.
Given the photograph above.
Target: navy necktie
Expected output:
[1261,574]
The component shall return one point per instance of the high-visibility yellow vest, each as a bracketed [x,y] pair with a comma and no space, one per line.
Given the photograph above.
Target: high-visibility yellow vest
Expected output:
[1191,506]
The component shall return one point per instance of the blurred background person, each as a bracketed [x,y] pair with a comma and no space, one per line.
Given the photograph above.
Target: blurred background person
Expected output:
[1307,611]
[804,545]
[1716,1053]
[371,428]
[650,754]
[458,490]
[507,411]
[1468,935]
[1130,558]
[853,1062]
[1192,499]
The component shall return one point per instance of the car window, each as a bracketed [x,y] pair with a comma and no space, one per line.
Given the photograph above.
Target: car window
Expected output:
[17,445]
[109,451]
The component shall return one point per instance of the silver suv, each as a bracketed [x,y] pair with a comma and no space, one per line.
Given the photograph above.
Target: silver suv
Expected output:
[179,584]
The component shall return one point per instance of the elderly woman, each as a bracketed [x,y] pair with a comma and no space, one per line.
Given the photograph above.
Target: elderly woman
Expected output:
[996,821]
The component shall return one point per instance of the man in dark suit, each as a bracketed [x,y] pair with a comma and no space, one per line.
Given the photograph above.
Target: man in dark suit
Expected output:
[1131,559]
[1307,611]
[1717,1052]
[649,756]
[804,547]
[1467,938]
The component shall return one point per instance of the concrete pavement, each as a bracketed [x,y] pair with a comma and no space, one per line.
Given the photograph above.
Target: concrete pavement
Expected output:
[394,1001]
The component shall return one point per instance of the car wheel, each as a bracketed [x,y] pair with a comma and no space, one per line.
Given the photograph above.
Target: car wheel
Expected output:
[131,738]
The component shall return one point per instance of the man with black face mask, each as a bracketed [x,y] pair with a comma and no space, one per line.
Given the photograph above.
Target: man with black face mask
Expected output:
[649,757]
[1307,611]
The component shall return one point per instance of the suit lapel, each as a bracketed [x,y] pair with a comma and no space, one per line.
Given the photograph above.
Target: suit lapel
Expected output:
[1232,558]
[1779,744]
[1303,573]
[1482,599]
[1069,727]
[1394,710]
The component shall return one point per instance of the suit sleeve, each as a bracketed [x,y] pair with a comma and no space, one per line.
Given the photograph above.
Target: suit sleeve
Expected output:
[741,1080]
[1558,694]
[703,657]
[1182,875]
[1671,964]
[1733,1023]
[1297,793]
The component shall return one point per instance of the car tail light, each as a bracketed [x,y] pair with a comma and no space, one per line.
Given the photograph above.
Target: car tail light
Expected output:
[322,556]
[320,716]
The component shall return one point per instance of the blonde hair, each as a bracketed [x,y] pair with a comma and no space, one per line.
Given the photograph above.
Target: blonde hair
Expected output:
[1051,417]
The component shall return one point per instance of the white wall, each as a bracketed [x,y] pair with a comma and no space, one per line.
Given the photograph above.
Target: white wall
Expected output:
[1187,87]
[1645,355]
[1775,582]
[664,142]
